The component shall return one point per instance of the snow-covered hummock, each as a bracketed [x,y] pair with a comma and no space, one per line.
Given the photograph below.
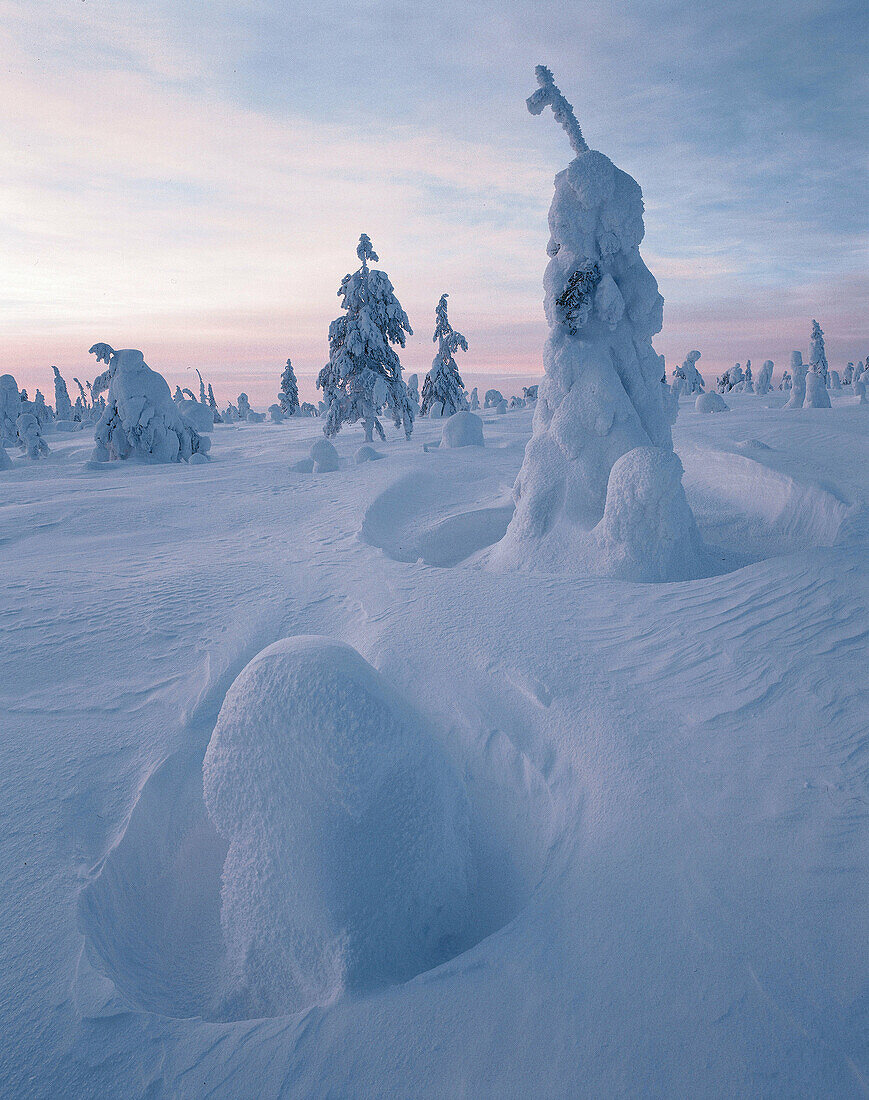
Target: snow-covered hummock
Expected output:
[367,453]
[288,398]
[462,429]
[140,420]
[361,352]
[349,861]
[817,353]
[324,457]
[62,403]
[30,436]
[443,392]
[602,394]
[710,403]
[474,401]
[10,410]
[798,382]
[817,395]
[764,379]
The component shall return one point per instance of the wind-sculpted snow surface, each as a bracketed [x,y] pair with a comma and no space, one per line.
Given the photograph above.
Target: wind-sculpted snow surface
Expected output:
[140,420]
[349,860]
[602,394]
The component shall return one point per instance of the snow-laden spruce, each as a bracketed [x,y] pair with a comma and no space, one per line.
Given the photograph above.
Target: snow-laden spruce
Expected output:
[140,420]
[474,402]
[361,352]
[62,403]
[687,379]
[288,398]
[443,392]
[764,379]
[601,396]
[798,382]
[10,410]
[349,863]
[817,353]
[30,436]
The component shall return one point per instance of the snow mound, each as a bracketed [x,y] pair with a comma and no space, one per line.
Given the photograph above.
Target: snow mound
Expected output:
[462,429]
[199,459]
[5,460]
[816,392]
[324,457]
[648,532]
[349,852]
[711,403]
[367,453]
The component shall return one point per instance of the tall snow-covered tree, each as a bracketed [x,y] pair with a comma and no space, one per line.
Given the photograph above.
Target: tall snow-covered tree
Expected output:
[62,403]
[215,412]
[288,398]
[361,352]
[443,392]
[817,353]
[600,487]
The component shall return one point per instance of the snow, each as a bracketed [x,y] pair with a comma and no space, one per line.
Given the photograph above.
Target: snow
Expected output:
[367,453]
[710,403]
[817,396]
[30,437]
[665,783]
[349,860]
[325,457]
[462,429]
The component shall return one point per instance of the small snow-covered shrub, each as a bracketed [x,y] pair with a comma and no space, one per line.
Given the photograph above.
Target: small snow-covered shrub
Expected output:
[462,429]
[325,457]
[710,403]
[255,417]
[349,859]
[243,406]
[30,437]
[648,532]
[367,453]
[140,420]
[198,416]
[276,414]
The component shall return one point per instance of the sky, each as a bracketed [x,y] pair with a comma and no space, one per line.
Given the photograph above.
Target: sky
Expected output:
[190,177]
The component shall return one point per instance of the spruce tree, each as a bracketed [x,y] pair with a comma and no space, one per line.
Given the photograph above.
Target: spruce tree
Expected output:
[289,395]
[361,351]
[443,390]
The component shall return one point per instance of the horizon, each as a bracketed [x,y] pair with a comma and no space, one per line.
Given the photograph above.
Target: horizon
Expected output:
[200,191]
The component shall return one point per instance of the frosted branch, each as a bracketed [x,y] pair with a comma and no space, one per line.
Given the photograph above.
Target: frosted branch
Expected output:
[548,95]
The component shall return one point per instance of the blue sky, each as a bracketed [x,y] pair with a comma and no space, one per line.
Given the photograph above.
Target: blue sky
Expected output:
[191,178]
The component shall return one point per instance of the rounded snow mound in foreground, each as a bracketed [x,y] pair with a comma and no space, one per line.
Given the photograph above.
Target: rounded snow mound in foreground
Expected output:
[462,429]
[349,860]
[711,403]
[648,532]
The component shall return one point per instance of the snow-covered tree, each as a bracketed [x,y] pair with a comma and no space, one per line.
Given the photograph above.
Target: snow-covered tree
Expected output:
[798,382]
[786,381]
[530,393]
[848,376]
[10,410]
[817,354]
[474,402]
[361,351]
[749,381]
[243,406]
[687,379]
[62,403]
[601,400]
[30,436]
[492,399]
[140,419]
[413,392]
[178,396]
[764,379]
[443,391]
[215,412]
[288,398]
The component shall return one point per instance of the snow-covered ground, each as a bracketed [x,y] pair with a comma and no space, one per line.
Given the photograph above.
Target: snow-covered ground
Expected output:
[666,783]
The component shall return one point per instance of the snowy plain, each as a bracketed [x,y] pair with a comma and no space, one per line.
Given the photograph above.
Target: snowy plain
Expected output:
[666,782]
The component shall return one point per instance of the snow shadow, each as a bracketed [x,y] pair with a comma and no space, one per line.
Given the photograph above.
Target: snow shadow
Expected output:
[151,918]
